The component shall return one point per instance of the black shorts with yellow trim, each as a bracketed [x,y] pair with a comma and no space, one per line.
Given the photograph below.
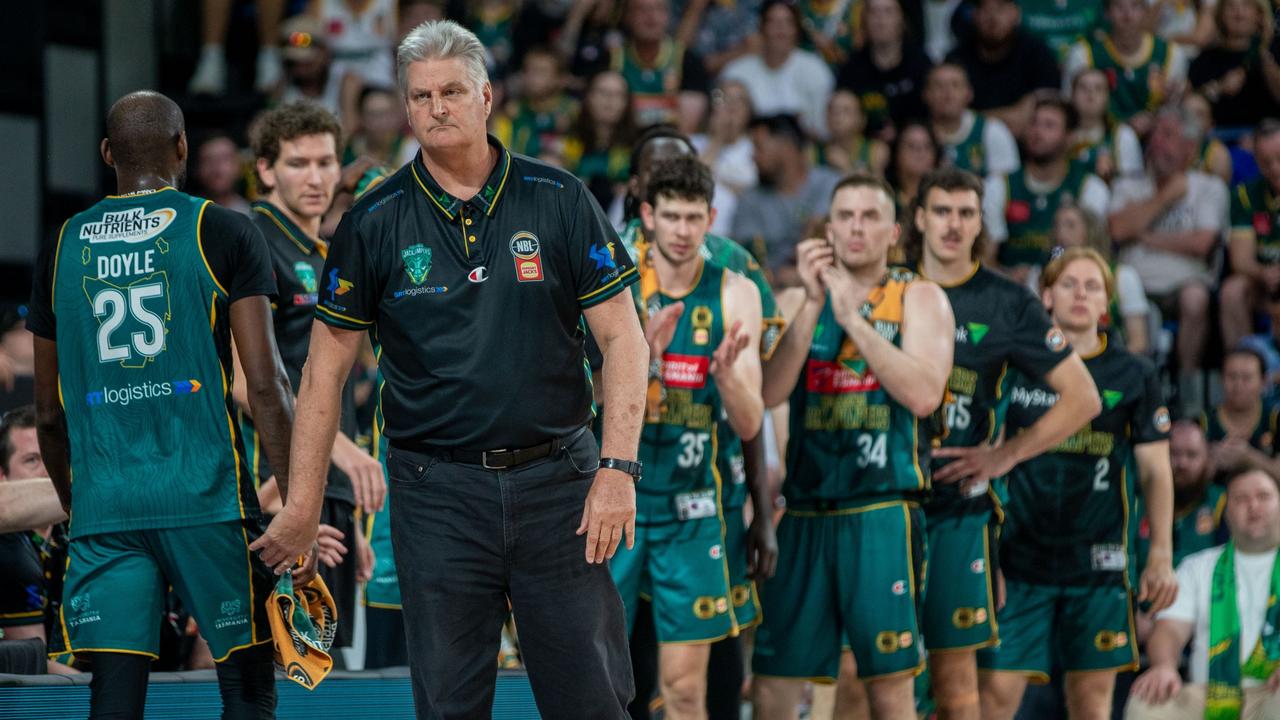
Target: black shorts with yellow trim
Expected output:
[959,600]
[1089,628]
[116,585]
[22,584]
[681,568]
[848,576]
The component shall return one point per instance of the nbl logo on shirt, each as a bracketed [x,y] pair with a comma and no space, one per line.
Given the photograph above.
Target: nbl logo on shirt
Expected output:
[527,252]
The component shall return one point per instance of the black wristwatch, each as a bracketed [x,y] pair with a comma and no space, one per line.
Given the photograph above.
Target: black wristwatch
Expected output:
[630,467]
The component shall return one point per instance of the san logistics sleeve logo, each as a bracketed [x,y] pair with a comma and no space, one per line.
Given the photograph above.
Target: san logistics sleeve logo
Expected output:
[527,252]
[417,262]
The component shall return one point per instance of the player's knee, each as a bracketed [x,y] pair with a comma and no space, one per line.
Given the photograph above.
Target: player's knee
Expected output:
[891,697]
[684,693]
[1000,696]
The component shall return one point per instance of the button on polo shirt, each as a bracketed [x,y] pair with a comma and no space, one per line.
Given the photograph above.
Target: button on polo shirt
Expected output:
[475,306]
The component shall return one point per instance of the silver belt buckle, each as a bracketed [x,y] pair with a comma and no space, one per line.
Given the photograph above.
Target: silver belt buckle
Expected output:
[484,460]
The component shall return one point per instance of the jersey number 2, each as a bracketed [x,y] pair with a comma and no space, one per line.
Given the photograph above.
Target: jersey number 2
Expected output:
[114,303]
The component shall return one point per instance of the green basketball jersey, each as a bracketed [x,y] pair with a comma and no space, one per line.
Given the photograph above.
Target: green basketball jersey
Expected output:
[726,253]
[850,440]
[970,153]
[1254,207]
[1029,215]
[1264,430]
[1197,528]
[655,89]
[1131,90]
[1069,510]
[1059,23]
[1001,328]
[144,366]
[679,452]
[839,20]
[531,132]
[1087,154]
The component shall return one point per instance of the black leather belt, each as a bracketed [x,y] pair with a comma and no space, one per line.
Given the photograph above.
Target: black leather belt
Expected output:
[500,459]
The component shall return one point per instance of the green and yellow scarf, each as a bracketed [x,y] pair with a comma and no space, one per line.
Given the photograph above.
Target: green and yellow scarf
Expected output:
[1224,698]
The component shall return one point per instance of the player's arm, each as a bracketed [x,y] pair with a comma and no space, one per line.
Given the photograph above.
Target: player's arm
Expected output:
[802,308]
[331,353]
[1158,585]
[51,422]
[916,373]
[1077,404]
[737,373]
[267,388]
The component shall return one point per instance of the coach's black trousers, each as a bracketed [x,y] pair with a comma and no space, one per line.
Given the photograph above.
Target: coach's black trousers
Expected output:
[467,540]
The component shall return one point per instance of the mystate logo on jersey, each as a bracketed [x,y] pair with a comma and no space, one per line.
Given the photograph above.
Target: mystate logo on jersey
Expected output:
[133,225]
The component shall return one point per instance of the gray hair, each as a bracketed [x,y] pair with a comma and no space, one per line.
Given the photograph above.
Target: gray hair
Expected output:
[440,40]
[1192,130]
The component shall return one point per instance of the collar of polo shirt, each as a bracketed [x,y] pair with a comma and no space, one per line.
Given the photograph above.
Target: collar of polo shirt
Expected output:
[486,199]
[305,243]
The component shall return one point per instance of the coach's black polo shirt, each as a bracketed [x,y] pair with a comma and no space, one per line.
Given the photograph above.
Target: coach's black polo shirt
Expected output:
[297,261]
[476,305]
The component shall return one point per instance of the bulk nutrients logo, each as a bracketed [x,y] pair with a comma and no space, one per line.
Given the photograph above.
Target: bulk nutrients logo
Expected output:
[131,226]
[126,394]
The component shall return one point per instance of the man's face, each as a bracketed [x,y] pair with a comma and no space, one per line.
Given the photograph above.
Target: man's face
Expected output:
[304,174]
[25,462]
[219,166]
[950,222]
[947,92]
[1091,94]
[1046,135]
[1266,150]
[766,152]
[1078,299]
[1168,149]
[1241,381]
[779,29]
[1253,509]
[1189,456]
[647,20]
[884,21]
[380,116]
[1127,17]
[844,115]
[862,227]
[446,108]
[996,20]
[540,77]
[678,227]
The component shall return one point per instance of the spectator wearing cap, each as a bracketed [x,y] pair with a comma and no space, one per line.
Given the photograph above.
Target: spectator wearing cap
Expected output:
[970,141]
[782,78]
[888,73]
[1237,73]
[1142,69]
[792,198]
[1254,242]
[308,65]
[1011,63]
[1169,223]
